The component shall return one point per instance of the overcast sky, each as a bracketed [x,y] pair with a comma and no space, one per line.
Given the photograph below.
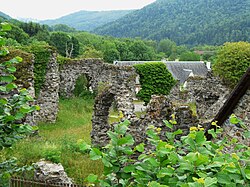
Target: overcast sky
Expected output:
[50,9]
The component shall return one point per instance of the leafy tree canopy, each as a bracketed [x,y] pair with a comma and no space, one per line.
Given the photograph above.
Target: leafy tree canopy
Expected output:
[232,61]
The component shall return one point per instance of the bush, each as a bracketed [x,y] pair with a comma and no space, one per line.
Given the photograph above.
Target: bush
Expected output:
[232,62]
[154,79]
[192,161]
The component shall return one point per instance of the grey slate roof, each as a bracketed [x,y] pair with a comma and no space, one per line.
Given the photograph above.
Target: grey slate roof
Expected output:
[179,69]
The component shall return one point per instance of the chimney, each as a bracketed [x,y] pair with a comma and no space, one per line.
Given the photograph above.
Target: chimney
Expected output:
[208,64]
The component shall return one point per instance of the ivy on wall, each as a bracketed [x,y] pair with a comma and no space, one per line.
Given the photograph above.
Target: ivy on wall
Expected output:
[42,55]
[154,79]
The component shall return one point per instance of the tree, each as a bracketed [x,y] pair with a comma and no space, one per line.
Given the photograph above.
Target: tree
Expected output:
[67,46]
[154,79]
[189,56]
[18,34]
[110,53]
[125,53]
[90,52]
[62,28]
[166,46]
[232,61]
[42,36]
[141,51]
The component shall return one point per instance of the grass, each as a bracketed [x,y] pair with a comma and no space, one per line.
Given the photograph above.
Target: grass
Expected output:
[193,108]
[58,142]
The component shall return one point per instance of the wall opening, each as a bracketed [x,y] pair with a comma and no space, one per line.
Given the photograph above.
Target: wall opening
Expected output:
[82,87]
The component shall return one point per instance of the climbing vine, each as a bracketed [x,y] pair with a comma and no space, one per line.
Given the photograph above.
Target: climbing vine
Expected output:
[42,53]
[154,79]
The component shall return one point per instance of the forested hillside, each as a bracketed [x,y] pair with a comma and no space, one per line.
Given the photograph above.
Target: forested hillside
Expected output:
[3,15]
[78,44]
[88,20]
[189,22]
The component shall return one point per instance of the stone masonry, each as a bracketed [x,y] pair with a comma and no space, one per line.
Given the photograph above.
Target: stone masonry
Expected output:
[48,98]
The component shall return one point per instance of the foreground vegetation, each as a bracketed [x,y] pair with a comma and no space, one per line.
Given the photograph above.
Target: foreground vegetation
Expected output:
[189,161]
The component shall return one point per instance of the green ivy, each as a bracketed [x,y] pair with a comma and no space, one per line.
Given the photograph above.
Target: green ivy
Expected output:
[154,79]
[42,53]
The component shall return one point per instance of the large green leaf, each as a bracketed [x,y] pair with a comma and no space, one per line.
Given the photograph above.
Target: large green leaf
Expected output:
[210,181]
[126,140]
[129,168]
[10,86]
[8,78]
[223,178]
[140,147]
[200,138]
[92,178]
[11,69]
[247,172]
[165,172]
[95,154]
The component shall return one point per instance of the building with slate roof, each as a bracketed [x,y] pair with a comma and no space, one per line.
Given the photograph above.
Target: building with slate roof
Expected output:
[180,70]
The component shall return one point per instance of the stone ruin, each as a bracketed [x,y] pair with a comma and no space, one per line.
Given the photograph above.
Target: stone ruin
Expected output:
[61,81]
[50,173]
[208,93]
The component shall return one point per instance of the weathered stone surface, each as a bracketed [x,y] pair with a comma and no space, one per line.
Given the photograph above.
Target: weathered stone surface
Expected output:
[98,72]
[48,98]
[50,173]
[159,109]
[242,110]
[209,95]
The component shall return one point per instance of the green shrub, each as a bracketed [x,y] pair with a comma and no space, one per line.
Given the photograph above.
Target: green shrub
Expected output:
[82,87]
[232,61]
[154,79]
[192,161]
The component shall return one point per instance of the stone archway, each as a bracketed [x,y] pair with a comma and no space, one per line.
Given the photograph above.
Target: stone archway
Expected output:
[100,125]
[62,80]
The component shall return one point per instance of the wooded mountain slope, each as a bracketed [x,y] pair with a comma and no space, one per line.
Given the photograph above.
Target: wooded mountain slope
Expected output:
[88,20]
[189,22]
[3,15]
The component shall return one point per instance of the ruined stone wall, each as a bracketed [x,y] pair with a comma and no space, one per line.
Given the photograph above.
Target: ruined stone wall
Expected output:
[242,109]
[159,109]
[122,79]
[48,98]
[97,71]
[209,95]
